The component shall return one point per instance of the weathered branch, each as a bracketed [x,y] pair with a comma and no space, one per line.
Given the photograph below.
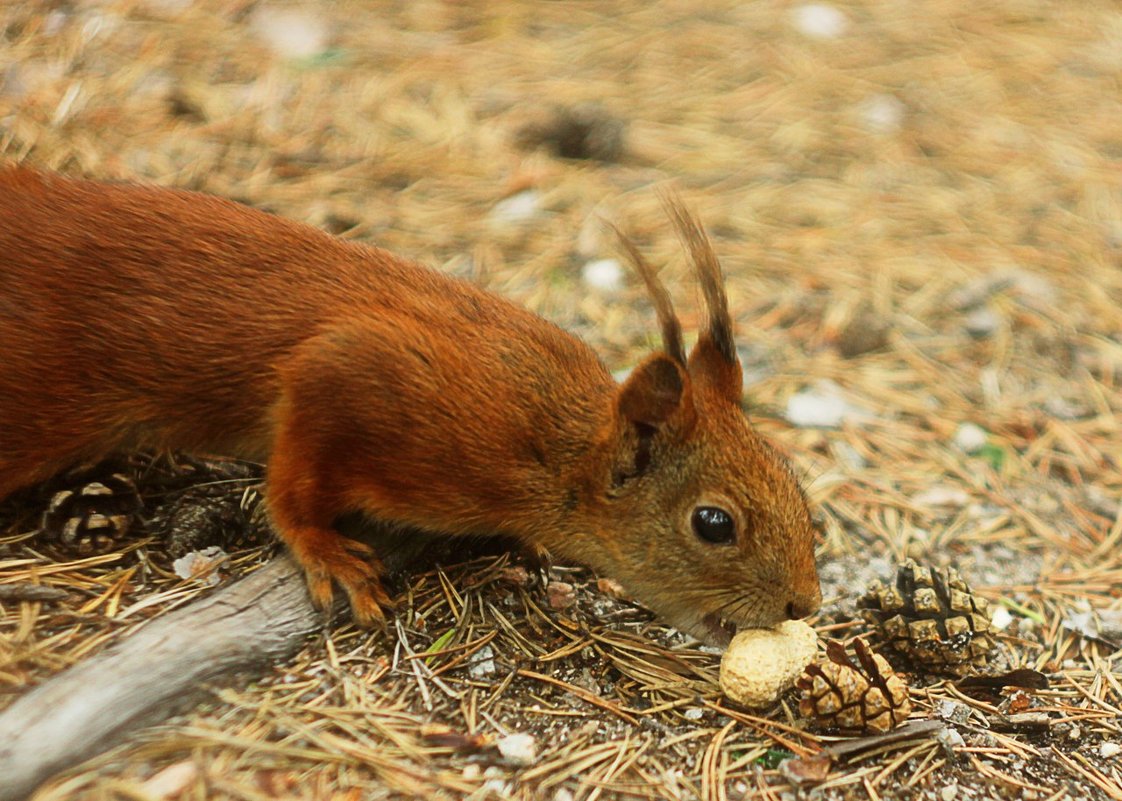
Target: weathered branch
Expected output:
[159,671]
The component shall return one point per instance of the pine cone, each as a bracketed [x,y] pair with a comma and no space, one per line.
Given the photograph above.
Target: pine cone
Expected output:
[931,617]
[201,502]
[840,695]
[95,511]
[205,516]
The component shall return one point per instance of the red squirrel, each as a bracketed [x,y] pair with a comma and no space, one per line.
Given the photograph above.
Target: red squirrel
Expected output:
[135,316]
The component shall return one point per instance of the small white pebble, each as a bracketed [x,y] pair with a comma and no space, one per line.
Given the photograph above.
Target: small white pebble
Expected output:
[517,208]
[482,663]
[1063,408]
[952,711]
[882,114]
[950,738]
[821,406]
[970,438]
[1001,618]
[1109,750]
[694,713]
[942,495]
[518,749]
[290,33]
[471,771]
[820,21]
[605,275]
[981,323]
[949,793]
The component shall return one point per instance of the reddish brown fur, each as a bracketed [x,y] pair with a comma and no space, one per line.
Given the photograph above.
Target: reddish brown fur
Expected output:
[137,316]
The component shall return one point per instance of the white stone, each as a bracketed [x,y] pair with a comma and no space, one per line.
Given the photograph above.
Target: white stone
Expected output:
[1001,618]
[882,114]
[970,438]
[518,749]
[982,322]
[953,711]
[821,406]
[482,663]
[1109,750]
[942,495]
[605,275]
[950,738]
[517,208]
[694,713]
[290,32]
[820,21]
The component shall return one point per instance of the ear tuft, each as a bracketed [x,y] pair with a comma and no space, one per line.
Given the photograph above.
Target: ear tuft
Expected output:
[654,392]
[668,321]
[693,236]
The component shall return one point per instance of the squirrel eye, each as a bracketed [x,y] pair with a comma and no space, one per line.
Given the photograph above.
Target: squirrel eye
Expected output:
[713,525]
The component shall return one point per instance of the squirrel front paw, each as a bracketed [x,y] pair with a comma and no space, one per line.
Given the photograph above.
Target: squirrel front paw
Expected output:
[328,558]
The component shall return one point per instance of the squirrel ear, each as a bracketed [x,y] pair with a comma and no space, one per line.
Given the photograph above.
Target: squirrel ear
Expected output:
[655,392]
[712,370]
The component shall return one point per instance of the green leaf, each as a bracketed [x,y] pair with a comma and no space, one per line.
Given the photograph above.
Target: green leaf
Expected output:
[438,644]
[994,454]
[330,57]
[773,757]
[1021,610]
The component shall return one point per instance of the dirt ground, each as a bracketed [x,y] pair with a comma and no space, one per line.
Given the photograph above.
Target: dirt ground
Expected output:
[919,209]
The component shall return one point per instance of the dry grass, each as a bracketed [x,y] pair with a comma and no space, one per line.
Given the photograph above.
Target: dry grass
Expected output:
[937,159]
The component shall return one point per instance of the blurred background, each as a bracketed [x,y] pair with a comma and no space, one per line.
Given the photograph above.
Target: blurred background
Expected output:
[918,205]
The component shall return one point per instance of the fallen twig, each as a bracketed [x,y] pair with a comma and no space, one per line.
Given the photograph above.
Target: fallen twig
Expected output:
[153,674]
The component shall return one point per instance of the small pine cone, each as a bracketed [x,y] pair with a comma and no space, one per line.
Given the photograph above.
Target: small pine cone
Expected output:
[840,695]
[94,512]
[200,518]
[931,617]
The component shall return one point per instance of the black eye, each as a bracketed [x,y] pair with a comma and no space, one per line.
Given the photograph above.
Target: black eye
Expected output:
[713,525]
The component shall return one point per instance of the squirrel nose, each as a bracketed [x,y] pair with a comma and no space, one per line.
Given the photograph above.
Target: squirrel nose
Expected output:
[802,607]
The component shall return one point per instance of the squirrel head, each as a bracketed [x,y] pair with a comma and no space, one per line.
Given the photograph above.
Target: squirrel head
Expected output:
[701,517]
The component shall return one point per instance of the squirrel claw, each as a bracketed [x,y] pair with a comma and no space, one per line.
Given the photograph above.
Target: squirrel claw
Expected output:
[367,604]
[329,558]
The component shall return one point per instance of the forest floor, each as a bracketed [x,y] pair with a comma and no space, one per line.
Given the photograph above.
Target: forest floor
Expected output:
[919,210]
